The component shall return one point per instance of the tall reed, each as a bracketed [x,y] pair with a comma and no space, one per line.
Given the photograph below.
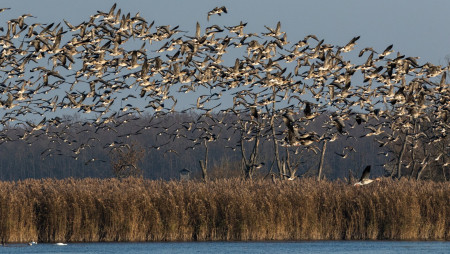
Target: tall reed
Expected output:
[134,209]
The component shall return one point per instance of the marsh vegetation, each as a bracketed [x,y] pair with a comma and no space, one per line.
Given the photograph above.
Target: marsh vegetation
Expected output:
[134,209]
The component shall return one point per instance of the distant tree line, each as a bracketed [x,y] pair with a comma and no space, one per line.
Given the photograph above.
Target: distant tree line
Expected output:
[49,158]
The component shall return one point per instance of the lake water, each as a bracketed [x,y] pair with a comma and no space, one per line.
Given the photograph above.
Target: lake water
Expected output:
[238,247]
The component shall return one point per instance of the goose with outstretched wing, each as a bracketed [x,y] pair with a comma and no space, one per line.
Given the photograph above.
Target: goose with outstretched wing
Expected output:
[365,177]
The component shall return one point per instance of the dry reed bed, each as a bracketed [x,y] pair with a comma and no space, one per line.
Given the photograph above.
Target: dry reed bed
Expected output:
[91,210]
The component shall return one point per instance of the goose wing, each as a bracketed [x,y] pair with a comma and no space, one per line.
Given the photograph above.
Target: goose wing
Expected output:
[365,174]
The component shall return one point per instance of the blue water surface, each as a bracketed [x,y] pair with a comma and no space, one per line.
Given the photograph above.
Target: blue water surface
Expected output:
[238,247]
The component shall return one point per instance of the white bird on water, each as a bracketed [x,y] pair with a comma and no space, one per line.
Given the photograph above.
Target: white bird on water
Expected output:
[61,244]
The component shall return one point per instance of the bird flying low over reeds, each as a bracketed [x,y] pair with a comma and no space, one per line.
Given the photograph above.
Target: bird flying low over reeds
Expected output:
[365,177]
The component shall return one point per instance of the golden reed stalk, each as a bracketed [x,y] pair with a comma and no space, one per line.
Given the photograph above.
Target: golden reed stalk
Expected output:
[90,210]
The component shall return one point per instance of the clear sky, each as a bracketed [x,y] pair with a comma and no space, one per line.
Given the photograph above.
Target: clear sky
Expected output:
[415,27]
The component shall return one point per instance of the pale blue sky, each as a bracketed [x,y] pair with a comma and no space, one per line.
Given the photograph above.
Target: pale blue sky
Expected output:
[415,27]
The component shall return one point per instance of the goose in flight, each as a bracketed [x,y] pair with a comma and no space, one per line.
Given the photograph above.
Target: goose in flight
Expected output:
[217,10]
[365,177]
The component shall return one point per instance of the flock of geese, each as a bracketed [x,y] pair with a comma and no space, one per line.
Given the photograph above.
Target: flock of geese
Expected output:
[115,67]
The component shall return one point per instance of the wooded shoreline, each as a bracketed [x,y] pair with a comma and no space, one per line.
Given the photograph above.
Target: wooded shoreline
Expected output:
[136,209]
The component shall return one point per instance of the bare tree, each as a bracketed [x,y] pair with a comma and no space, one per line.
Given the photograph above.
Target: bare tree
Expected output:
[125,161]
